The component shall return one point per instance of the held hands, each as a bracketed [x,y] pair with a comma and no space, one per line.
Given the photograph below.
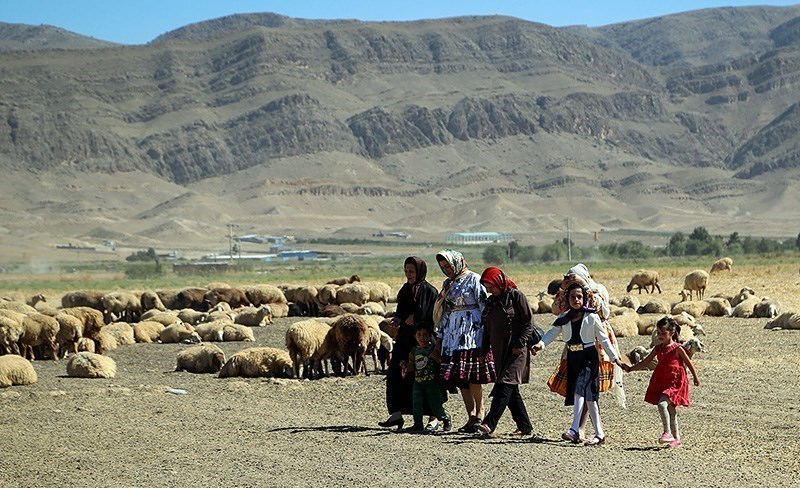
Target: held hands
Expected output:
[536,348]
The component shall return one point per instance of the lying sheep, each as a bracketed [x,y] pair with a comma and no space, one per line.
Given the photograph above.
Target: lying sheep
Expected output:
[122,332]
[18,307]
[353,293]
[371,308]
[252,316]
[786,320]
[179,332]
[655,305]
[644,278]
[303,340]
[745,308]
[544,305]
[629,301]
[16,370]
[258,362]
[203,358]
[696,282]
[695,309]
[344,281]
[279,310]
[767,308]
[192,316]
[237,333]
[90,365]
[224,331]
[638,353]
[147,331]
[326,295]
[722,264]
[743,295]
[685,335]
[85,344]
[625,325]
[718,307]
[332,310]
[164,318]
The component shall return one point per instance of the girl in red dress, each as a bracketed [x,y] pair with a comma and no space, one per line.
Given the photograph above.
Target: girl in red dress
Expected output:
[669,385]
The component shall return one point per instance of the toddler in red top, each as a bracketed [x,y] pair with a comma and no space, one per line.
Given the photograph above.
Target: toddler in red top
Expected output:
[669,385]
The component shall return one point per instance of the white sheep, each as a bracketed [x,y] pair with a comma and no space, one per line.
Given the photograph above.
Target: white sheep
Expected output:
[696,281]
[212,331]
[745,308]
[695,309]
[353,293]
[237,333]
[252,316]
[303,339]
[90,365]
[655,305]
[258,362]
[786,320]
[326,294]
[179,332]
[85,344]
[743,295]
[264,294]
[122,332]
[625,324]
[378,291]
[629,301]
[151,301]
[718,307]
[643,279]
[16,370]
[122,305]
[192,316]
[39,330]
[70,331]
[722,264]
[19,307]
[164,318]
[279,310]
[147,331]
[371,308]
[11,330]
[203,358]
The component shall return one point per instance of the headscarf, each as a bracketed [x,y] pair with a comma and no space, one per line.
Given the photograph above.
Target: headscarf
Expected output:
[496,277]
[456,260]
[573,312]
[422,272]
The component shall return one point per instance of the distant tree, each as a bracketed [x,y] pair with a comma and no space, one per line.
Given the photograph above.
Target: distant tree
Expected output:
[526,254]
[797,242]
[513,250]
[677,244]
[733,239]
[494,255]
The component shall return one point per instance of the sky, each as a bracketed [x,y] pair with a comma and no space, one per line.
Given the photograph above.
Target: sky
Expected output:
[141,21]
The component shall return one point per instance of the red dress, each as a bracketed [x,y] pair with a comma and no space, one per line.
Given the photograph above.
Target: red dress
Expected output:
[669,377]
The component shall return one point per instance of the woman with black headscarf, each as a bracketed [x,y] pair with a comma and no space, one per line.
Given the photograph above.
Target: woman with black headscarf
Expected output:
[415,302]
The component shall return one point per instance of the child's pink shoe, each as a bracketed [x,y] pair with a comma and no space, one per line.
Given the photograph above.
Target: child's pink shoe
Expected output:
[675,444]
[666,438]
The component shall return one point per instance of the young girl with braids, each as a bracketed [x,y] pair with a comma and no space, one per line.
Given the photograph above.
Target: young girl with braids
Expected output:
[669,385]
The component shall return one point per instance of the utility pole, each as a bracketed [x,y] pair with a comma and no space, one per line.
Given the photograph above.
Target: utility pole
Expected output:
[569,242]
[230,240]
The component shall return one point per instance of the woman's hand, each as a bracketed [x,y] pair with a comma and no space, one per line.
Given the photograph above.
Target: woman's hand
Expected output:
[696,382]
[537,347]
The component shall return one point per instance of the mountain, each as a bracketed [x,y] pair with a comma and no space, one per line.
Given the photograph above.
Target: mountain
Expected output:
[21,37]
[318,128]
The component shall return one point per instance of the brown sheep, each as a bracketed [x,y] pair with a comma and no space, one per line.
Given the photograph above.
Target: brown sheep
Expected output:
[722,264]
[193,298]
[344,281]
[348,338]
[150,300]
[644,278]
[91,299]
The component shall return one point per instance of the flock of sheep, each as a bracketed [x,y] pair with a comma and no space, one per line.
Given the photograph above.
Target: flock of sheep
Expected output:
[345,324]
[89,323]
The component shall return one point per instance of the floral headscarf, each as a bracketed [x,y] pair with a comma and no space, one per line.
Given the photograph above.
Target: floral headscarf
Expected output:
[456,260]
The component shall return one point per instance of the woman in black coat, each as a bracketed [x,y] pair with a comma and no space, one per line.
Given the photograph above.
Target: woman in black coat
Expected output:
[415,302]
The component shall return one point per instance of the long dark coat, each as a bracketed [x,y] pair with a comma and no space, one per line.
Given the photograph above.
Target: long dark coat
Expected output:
[508,323]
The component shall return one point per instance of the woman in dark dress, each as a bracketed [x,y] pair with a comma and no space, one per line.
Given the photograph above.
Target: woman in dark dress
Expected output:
[508,324]
[415,302]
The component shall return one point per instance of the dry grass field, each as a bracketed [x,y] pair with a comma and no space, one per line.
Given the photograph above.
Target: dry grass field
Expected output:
[741,429]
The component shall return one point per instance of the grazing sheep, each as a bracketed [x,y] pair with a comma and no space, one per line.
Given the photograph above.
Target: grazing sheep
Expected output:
[348,338]
[326,294]
[695,309]
[169,298]
[767,308]
[203,358]
[151,301]
[179,332]
[122,332]
[718,307]
[264,294]
[11,330]
[120,305]
[344,281]
[147,331]
[352,293]
[644,278]
[305,298]
[786,320]
[303,340]
[92,319]
[16,370]
[252,316]
[722,264]
[86,298]
[625,325]
[91,323]
[696,281]
[745,308]
[655,305]
[39,330]
[91,365]
[743,295]
[258,362]
[232,296]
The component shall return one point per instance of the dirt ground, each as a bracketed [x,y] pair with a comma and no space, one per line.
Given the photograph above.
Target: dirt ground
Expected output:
[741,429]
[129,431]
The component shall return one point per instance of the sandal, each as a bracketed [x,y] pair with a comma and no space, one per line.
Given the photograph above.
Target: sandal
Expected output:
[571,436]
[595,441]
[521,432]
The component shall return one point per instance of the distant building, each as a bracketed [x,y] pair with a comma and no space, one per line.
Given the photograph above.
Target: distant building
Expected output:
[467,238]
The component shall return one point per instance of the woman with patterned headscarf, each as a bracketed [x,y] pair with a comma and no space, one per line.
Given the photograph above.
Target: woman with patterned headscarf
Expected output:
[508,326]
[415,302]
[460,334]
[581,327]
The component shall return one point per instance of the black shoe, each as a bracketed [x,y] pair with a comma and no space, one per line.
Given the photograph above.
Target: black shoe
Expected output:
[391,423]
[469,427]
[416,429]
[447,424]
